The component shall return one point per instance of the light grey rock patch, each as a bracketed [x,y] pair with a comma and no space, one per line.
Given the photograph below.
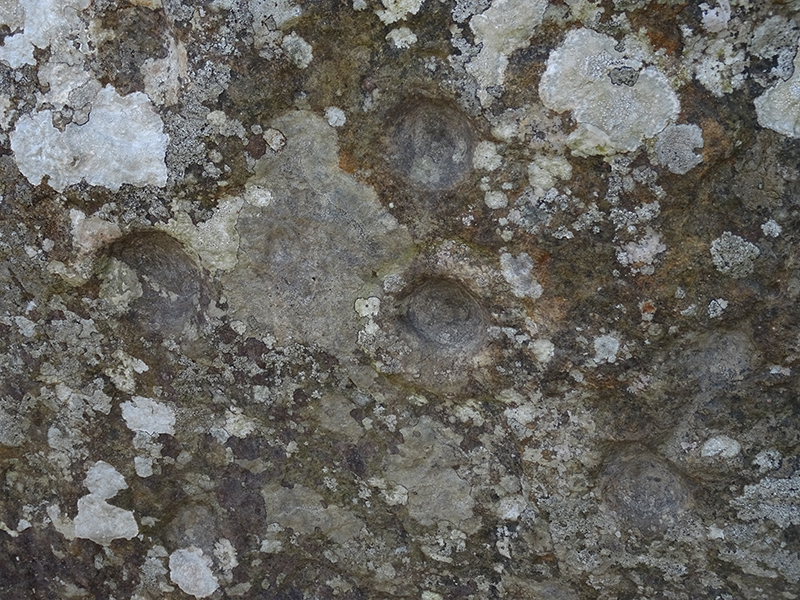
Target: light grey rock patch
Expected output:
[424,468]
[304,258]
[645,491]
[723,358]
[304,511]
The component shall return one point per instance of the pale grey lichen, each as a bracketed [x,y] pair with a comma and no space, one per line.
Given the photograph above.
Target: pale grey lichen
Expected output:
[675,146]
[717,307]
[771,498]
[734,255]
[775,41]
[518,272]
[606,348]
[120,285]
[396,10]
[485,156]
[401,38]
[14,426]
[545,171]
[641,255]
[771,228]
[298,50]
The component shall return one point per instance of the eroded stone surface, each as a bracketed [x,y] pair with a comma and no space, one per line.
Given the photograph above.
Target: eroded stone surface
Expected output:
[472,299]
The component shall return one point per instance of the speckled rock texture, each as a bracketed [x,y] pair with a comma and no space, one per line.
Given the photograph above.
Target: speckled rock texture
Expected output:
[425,299]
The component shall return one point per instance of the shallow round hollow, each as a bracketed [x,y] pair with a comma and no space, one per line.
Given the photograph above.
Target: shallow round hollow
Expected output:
[169,278]
[431,146]
[442,312]
[645,492]
[723,358]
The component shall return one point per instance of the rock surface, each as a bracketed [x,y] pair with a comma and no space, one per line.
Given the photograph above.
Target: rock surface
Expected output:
[468,299]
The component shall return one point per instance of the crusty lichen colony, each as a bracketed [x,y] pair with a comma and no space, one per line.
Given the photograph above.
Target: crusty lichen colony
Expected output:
[433,299]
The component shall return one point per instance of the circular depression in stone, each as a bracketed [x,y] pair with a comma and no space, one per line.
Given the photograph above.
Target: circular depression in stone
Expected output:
[442,312]
[431,146]
[170,282]
[645,492]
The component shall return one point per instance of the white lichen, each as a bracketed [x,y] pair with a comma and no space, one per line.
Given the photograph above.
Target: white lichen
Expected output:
[495,200]
[485,156]
[716,19]
[615,99]
[771,228]
[545,171]
[335,116]
[639,256]
[720,446]
[543,350]
[606,348]
[396,10]
[505,27]
[269,15]
[716,307]
[148,416]
[401,38]
[97,520]
[44,22]
[779,107]
[122,142]
[190,569]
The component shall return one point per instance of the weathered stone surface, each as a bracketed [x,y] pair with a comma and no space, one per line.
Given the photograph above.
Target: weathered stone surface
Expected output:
[462,299]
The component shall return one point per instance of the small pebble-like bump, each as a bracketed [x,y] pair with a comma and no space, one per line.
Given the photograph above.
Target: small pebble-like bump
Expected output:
[443,313]
[724,358]
[170,280]
[645,492]
[431,146]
